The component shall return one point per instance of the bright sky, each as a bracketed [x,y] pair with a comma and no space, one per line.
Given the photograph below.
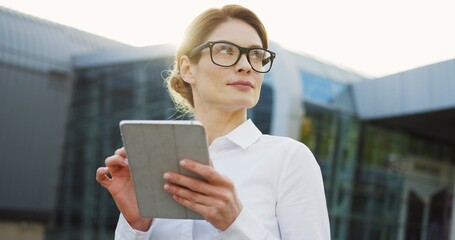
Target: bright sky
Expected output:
[375,38]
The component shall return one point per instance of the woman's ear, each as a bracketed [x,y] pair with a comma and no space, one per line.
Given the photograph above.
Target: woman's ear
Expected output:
[185,69]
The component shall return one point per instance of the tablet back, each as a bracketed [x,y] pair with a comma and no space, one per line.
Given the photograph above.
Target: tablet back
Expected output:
[155,147]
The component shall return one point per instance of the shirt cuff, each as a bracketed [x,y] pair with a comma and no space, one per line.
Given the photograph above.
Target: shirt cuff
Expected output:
[124,231]
[245,226]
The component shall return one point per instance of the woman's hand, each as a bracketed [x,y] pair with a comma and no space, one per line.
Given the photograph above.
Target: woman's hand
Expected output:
[120,185]
[216,200]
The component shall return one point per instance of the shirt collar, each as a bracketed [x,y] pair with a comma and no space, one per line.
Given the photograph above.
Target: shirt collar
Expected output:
[244,135]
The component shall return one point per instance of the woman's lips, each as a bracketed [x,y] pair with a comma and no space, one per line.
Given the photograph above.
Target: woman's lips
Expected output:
[244,85]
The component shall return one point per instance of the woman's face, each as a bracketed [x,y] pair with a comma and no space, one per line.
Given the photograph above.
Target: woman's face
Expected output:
[226,88]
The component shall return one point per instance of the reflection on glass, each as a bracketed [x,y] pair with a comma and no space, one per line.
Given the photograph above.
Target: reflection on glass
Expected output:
[414,219]
[439,216]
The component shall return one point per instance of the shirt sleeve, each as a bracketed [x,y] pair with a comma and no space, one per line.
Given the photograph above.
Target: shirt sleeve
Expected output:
[246,227]
[301,207]
[124,231]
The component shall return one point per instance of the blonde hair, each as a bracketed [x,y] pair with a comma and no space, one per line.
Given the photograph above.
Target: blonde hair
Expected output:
[195,35]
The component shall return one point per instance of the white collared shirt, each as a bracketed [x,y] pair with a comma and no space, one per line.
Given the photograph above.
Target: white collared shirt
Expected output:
[278,182]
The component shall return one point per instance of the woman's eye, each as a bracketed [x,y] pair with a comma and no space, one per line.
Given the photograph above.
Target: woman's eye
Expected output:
[257,54]
[227,51]
[223,49]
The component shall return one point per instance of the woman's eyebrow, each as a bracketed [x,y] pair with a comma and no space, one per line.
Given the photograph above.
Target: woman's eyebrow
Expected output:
[256,46]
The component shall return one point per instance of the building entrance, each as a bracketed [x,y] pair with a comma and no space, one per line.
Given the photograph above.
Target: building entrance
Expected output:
[427,200]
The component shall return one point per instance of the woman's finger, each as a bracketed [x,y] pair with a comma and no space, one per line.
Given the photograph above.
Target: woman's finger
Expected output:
[192,196]
[197,207]
[216,192]
[121,152]
[115,161]
[191,183]
[210,213]
[101,176]
[205,171]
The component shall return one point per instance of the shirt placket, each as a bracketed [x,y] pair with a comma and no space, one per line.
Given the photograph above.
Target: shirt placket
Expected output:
[187,230]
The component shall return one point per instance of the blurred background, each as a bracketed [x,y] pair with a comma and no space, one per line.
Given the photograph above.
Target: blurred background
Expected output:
[368,86]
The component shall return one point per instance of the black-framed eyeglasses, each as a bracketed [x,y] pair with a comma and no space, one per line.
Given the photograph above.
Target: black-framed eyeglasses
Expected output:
[227,54]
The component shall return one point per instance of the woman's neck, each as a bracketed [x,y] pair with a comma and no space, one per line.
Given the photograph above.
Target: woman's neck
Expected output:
[218,123]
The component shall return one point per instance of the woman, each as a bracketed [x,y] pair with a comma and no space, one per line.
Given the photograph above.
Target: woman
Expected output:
[260,186]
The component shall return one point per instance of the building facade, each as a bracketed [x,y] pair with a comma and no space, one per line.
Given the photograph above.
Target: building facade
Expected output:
[36,78]
[386,146]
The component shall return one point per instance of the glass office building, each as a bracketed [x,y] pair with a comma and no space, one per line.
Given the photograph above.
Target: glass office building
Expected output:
[36,78]
[386,146]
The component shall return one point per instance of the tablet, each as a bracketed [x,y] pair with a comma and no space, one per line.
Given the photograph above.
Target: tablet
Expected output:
[154,147]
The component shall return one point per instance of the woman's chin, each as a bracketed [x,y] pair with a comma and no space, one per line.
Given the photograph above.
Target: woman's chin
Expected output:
[243,104]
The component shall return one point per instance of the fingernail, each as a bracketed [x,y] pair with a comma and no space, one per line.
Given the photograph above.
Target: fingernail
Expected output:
[182,163]
[166,186]
[166,176]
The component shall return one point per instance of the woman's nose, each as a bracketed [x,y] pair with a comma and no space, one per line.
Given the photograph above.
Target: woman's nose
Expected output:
[243,64]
